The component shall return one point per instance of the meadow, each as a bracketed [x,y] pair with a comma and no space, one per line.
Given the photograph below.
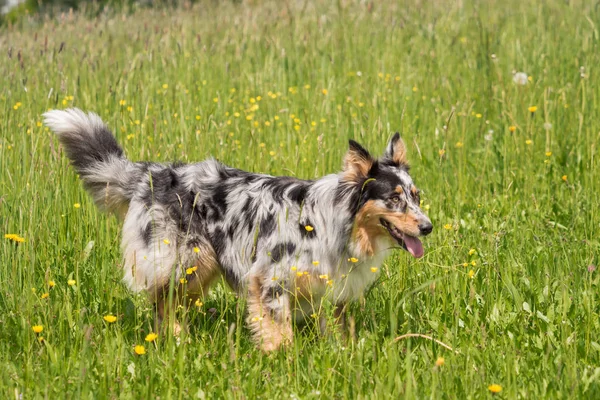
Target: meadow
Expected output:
[498,102]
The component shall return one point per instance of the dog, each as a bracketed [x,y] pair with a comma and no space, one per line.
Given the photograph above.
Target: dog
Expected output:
[284,243]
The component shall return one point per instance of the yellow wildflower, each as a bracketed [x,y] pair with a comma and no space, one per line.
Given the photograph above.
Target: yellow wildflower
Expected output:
[471,273]
[324,276]
[532,109]
[324,91]
[495,388]
[77,205]
[14,237]
[51,284]
[122,102]
[191,270]
[196,250]
[441,152]
[198,303]
[448,227]
[309,228]
[472,251]
[182,281]
[166,241]
[548,153]
[459,145]
[512,128]
[139,349]
[37,328]
[151,337]
[473,263]
[564,178]
[374,269]
[353,259]
[71,282]
[315,263]
[439,362]
[45,295]
[528,141]
[110,318]
[293,268]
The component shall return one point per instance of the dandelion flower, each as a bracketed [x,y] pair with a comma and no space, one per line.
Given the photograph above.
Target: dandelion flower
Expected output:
[151,337]
[495,388]
[45,295]
[77,205]
[324,91]
[471,273]
[139,350]
[473,263]
[293,268]
[374,269]
[441,152]
[548,153]
[330,282]
[51,284]
[448,227]
[472,251]
[528,142]
[166,241]
[309,228]
[520,78]
[532,109]
[196,250]
[122,102]
[439,362]
[37,328]
[564,178]
[110,318]
[353,259]
[182,281]
[465,264]
[315,263]
[14,237]
[71,282]
[324,276]
[459,145]
[512,128]
[198,303]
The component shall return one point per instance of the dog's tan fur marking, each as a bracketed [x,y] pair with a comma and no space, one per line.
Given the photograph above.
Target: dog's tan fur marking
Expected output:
[356,166]
[399,189]
[399,154]
[268,334]
[368,228]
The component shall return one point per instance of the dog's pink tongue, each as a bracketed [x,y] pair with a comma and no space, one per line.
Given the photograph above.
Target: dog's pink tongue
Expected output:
[413,245]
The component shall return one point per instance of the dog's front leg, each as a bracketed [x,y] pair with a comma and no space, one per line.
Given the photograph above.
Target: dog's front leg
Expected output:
[269,313]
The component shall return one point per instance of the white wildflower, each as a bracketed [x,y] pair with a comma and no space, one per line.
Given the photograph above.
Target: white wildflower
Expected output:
[520,78]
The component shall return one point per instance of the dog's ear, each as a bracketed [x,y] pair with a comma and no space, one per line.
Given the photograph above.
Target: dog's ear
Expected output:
[357,161]
[396,151]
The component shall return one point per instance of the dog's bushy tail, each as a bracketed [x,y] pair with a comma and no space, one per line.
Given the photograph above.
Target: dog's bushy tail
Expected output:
[97,157]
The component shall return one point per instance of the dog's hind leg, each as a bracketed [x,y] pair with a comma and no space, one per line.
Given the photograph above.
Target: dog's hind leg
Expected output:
[269,315]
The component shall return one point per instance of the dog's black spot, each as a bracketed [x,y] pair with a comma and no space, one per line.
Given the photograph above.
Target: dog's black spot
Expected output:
[281,249]
[233,227]
[298,193]
[267,225]
[307,233]
[218,241]
[146,233]
[219,198]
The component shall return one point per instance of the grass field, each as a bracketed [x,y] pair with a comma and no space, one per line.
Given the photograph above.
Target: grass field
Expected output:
[510,175]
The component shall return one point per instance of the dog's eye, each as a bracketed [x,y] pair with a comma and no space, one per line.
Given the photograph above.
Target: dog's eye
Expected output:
[395,199]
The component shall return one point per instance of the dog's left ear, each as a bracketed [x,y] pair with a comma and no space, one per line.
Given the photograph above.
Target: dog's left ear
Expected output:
[357,161]
[396,150]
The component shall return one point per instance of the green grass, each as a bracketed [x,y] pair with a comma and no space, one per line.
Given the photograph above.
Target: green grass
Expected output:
[440,74]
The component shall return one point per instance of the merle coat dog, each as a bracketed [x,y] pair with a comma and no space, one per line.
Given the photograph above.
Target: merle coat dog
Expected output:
[284,242]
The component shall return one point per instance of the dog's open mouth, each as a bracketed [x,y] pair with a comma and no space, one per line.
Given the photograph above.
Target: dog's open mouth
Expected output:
[408,243]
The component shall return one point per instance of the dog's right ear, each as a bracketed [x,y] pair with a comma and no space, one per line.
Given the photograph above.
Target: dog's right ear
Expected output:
[357,161]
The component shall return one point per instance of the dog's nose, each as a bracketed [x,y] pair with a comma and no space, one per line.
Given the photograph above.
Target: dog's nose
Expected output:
[425,228]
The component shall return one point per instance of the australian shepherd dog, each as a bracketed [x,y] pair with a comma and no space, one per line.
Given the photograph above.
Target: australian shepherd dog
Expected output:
[284,243]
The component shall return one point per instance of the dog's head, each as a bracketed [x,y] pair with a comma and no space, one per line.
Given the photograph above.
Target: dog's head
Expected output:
[388,209]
